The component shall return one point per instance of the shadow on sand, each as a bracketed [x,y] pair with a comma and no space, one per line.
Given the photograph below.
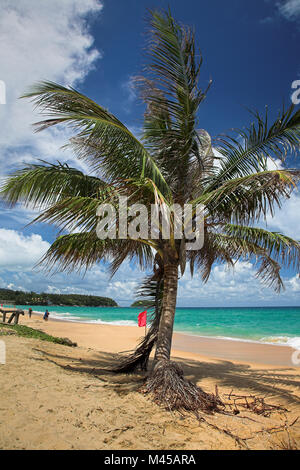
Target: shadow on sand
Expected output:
[279,383]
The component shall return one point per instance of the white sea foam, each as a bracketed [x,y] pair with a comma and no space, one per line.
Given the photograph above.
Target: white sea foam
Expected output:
[116,322]
[60,316]
[293,342]
[67,316]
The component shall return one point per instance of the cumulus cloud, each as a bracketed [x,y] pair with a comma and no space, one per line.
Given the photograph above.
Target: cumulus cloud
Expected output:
[286,220]
[294,283]
[19,254]
[40,41]
[18,251]
[234,287]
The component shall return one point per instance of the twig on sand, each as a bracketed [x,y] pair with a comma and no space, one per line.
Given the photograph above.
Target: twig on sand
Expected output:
[255,404]
[123,429]
[242,441]
[238,439]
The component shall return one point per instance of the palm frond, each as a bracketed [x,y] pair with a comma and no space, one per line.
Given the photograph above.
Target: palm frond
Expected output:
[251,149]
[249,197]
[151,289]
[268,270]
[279,246]
[223,248]
[44,184]
[73,213]
[102,140]
[80,251]
[171,93]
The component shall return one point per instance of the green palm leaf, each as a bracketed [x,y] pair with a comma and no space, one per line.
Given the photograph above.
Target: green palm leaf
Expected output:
[107,145]
[223,248]
[171,93]
[45,184]
[281,248]
[80,251]
[249,197]
[251,148]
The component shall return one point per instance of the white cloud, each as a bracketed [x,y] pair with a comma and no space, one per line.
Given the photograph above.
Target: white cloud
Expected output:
[290,9]
[130,94]
[40,41]
[20,252]
[286,220]
[234,287]
[129,88]
[294,283]
[287,9]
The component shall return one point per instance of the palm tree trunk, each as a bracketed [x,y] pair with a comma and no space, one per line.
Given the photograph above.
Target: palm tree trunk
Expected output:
[166,382]
[164,340]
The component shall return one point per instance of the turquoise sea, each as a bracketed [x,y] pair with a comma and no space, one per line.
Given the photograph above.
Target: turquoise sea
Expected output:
[279,325]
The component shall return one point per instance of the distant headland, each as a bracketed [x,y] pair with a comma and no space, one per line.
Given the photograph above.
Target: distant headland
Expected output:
[142,303]
[72,300]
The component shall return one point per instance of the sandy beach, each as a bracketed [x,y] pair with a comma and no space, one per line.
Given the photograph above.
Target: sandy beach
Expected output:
[115,339]
[57,397]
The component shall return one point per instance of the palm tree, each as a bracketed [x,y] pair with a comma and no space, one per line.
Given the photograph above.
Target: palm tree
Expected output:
[173,163]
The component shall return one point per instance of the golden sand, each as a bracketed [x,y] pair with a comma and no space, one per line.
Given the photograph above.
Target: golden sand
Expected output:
[57,397]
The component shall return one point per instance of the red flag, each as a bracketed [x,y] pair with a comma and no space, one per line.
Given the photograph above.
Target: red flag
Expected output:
[142,318]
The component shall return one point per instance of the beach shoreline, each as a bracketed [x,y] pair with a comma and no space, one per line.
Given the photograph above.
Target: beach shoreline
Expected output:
[266,334]
[117,338]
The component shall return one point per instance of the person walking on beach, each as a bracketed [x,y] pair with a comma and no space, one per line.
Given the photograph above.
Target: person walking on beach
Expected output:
[30,312]
[46,315]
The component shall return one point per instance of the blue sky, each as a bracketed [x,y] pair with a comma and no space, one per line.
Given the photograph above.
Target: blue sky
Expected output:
[251,52]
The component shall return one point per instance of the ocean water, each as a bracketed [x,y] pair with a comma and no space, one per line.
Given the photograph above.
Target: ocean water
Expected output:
[277,325]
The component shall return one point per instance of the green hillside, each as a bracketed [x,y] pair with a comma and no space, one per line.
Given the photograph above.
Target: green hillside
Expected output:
[32,298]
